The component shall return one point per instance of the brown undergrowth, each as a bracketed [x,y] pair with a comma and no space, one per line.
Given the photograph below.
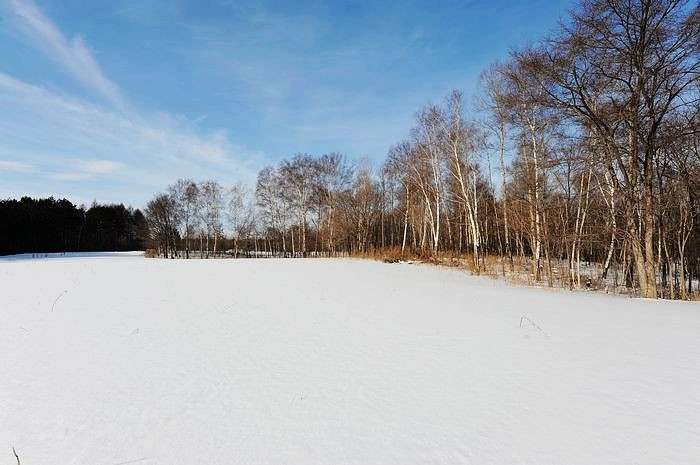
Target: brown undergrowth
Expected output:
[519,271]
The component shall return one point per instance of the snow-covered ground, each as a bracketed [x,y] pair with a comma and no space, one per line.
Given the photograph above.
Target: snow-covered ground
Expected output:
[120,359]
[30,256]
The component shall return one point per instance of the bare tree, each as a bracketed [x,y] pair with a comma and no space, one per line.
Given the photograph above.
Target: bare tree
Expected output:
[297,176]
[240,214]
[211,207]
[460,144]
[185,192]
[494,100]
[161,214]
[333,175]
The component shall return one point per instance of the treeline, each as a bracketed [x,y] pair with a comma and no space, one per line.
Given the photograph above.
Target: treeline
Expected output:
[581,149]
[51,225]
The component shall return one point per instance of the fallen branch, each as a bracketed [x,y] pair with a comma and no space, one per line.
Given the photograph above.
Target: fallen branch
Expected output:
[524,318]
[534,325]
[56,300]
[16,456]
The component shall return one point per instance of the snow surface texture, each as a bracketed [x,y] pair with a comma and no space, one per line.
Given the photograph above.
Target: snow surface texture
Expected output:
[323,361]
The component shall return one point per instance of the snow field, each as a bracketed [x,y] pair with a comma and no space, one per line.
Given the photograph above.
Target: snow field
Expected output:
[323,361]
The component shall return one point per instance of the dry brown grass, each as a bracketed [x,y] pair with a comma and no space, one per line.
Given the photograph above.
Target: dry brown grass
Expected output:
[392,255]
[519,272]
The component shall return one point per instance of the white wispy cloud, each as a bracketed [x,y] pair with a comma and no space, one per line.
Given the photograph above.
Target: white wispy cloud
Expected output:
[305,87]
[82,148]
[69,176]
[71,54]
[98,166]
[15,166]
[87,169]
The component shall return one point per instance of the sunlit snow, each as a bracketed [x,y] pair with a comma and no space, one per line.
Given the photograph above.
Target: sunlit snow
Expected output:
[120,359]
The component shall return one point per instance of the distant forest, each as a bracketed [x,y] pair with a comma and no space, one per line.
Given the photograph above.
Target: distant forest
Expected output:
[51,225]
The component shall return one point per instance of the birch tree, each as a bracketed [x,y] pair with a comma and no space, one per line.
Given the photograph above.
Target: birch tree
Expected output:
[240,214]
[211,207]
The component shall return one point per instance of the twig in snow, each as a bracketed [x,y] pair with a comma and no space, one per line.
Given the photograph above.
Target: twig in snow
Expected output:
[132,461]
[524,318]
[16,456]
[228,307]
[534,325]
[56,300]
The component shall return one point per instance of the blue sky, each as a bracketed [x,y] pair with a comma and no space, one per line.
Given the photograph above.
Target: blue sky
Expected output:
[113,101]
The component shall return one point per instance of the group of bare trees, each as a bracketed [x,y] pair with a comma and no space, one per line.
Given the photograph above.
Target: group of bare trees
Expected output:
[321,199]
[191,216]
[582,149]
[324,194]
[601,119]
